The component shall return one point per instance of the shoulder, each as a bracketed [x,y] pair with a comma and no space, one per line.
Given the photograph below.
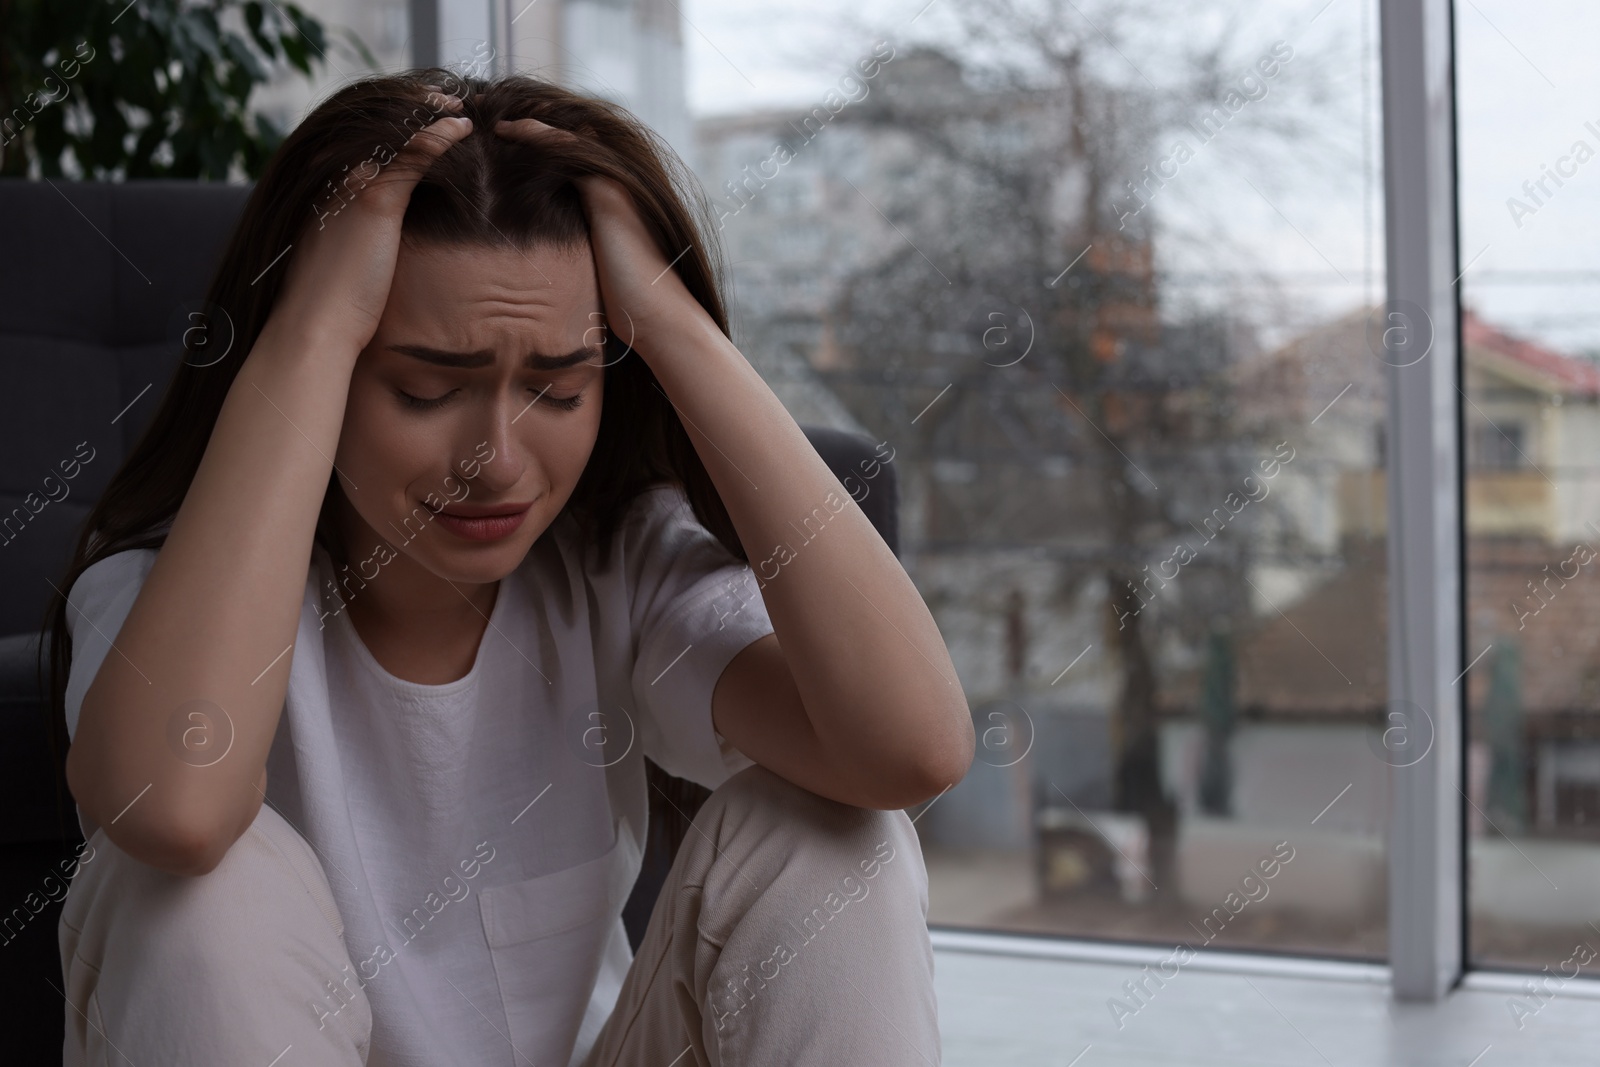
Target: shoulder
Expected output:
[661,534]
[107,580]
[660,517]
[658,504]
[98,603]
[659,551]
[129,564]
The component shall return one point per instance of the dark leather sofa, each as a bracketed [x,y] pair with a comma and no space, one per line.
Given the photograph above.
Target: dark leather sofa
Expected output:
[94,280]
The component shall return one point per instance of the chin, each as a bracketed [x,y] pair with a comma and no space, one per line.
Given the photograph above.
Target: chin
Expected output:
[477,565]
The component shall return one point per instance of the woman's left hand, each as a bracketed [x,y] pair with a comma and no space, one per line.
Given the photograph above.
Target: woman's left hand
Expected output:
[646,304]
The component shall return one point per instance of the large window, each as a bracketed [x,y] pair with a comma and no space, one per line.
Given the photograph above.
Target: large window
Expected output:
[1530,219]
[1106,278]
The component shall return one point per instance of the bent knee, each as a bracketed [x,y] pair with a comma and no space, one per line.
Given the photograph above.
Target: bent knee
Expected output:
[772,856]
[267,900]
[757,787]
[765,819]
[235,957]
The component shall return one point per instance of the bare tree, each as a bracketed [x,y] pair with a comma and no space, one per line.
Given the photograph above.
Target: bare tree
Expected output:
[1027,307]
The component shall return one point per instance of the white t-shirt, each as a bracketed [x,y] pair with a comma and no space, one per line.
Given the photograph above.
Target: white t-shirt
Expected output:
[482,836]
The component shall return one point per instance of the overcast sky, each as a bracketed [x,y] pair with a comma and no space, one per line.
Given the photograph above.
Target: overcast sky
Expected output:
[1527,87]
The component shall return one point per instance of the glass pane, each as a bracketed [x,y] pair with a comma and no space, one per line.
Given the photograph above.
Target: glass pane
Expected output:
[1530,243]
[381,27]
[1100,278]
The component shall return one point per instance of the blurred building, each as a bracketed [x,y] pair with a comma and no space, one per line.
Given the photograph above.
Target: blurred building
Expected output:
[1532,429]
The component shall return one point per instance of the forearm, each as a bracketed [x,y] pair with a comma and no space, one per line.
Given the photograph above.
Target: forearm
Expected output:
[868,660]
[219,606]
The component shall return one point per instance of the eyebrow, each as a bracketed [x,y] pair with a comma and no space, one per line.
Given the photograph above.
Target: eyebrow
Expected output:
[484,358]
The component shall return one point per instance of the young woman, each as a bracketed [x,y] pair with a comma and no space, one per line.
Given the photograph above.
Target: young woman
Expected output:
[367,641]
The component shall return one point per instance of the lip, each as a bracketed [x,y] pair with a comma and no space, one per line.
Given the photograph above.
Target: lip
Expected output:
[483,511]
[483,522]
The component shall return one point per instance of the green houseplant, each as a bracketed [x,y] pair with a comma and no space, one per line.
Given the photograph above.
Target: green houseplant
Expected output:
[148,89]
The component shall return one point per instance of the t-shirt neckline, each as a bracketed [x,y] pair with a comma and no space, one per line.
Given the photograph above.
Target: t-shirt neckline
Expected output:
[422,689]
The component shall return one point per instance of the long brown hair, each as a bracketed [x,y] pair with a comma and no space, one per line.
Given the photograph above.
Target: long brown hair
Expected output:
[482,191]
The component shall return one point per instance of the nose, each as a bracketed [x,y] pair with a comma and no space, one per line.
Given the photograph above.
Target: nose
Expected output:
[498,462]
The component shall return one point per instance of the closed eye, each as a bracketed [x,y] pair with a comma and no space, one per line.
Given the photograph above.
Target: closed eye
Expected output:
[421,403]
[565,403]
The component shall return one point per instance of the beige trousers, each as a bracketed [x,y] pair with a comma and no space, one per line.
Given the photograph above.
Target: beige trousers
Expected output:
[791,930]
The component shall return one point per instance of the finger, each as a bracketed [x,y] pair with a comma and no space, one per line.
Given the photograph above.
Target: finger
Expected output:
[532,131]
[439,100]
[415,156]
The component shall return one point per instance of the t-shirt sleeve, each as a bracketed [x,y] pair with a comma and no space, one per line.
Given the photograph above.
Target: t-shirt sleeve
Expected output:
[98,604]
[695,606]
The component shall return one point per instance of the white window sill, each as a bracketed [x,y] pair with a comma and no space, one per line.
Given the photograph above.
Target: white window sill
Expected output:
[1007,1000]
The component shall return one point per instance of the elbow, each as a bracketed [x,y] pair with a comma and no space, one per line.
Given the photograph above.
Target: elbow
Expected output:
[193,851]
[155,837]
[181,851]
[176,850]
[183,856]
[188,846]
[944,764]
[937,765]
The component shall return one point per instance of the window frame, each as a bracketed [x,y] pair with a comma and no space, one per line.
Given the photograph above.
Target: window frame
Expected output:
[1426,529]
[1424,436]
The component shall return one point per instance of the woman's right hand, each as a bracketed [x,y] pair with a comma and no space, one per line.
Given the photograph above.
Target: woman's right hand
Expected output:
[342,264]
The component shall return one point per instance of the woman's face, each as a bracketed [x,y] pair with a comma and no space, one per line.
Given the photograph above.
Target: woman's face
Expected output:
[474,409]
